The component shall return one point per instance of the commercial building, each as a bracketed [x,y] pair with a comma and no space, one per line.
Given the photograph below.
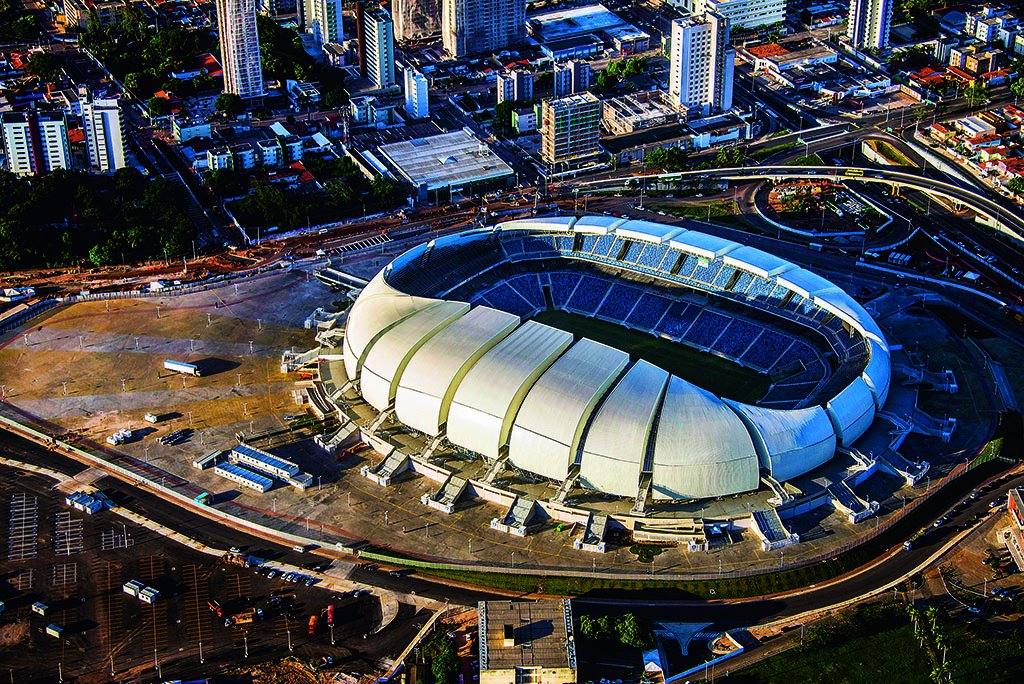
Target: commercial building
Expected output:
[515,86]
[702,64]
[325,21]
[630,113]
[240,48]
[571,77]
[263,461]
[450,161]
[377,46]
[417,95]
[868,24]
[528,641]
[524,120]
[104,132]
[35,142]
[740,13]
[570,128]
[416,18]
[243,476]
[478,26]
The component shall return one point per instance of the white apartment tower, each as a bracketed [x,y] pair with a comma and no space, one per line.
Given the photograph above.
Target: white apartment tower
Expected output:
[378,47]
[416,18]
[35,142]
[324,20]
[702,63]
[240,48]
[476,26]
[417,95]
[104,132]
[740,13]
[571,77]
[868,24]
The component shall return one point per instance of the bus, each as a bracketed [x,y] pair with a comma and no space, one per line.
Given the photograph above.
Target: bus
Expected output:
[854,172]
[205,499]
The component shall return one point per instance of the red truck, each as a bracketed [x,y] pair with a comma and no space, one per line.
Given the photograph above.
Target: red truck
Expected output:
[330,615]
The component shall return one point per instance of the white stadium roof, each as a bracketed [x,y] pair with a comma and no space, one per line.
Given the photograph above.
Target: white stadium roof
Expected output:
[429,382]
[702,449]
[389,355]
[791,442]
[550,423]
[852,411]
[378,307]
[492,383]
[489,396]
[617,440]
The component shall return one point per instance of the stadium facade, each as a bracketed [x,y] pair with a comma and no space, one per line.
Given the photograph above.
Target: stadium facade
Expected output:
[442,338]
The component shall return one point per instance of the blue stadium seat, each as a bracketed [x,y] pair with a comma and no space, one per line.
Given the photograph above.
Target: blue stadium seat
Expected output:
[652,256]
[678,319]
[588,243]
[648,311]
[503,297]
[620,301]
[588,295]
[742,283]
[706,329]
[603,244]
[529,289]
[562,285]
[723,277]
[564,243]
[633,252]
[767,349]
[737,337]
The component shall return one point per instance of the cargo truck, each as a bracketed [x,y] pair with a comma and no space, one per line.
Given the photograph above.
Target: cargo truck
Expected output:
[181,367]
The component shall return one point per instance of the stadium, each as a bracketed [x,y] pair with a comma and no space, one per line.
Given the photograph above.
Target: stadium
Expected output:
[620,356]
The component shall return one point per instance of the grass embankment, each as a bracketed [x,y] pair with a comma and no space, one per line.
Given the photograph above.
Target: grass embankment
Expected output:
[774,149]
[889,153]
[720,209]
[874,643]
[809,160]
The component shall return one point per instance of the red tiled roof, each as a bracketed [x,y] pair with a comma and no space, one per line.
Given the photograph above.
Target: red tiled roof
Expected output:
[769,50]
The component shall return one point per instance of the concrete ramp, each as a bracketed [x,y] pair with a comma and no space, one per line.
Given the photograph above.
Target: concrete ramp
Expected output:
[391,467]
[517,519]
[593,534]
[445,498]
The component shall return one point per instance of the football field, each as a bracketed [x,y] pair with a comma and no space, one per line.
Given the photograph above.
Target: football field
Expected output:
[713,373]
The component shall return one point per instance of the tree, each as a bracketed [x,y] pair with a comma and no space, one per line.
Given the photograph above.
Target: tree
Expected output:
[229,103]
[45,65]
[1017,87]
[1016,186]
[158,106]
[656,158]
[445,663]
[976,93]
[631,633]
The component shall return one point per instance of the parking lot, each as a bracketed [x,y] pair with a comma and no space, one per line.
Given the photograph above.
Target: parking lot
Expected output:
[76,566]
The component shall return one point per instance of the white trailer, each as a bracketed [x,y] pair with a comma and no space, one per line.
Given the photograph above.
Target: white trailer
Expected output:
[181,367]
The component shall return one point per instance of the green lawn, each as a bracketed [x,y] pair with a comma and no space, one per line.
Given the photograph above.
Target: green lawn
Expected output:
[723,378]
[874,646]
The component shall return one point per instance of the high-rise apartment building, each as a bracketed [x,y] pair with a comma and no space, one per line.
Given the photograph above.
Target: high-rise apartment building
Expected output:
[868,24]
[240,48]
[570,128]
[103,126]
[416,18]
[417,95]
[35,142]
[323,19]
[740,13]
[515,86]
[572,77]
[376,35]
[702,64]
[474,26]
